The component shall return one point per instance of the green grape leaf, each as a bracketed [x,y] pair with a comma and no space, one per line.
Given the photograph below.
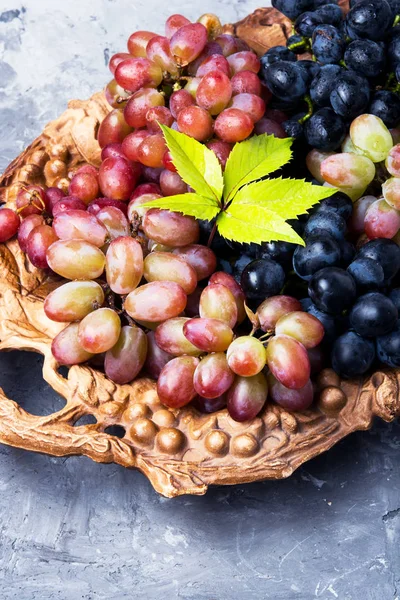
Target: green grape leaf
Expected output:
[253,159]
[196,164]
[189,204]
[287,198]
[251,223]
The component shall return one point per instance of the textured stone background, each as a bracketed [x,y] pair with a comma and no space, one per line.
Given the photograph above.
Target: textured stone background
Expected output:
[71,529]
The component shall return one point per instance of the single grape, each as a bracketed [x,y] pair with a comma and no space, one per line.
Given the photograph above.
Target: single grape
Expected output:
[133,74]
[125,360]
[114,220]
[156,358]
[272,309]
[332,290]
[97,205]
[73,301]
[288,361]
[392,162]
[66,204]
[314,160]
[367,273]
[251,104]
[370,134]
[360,207]
[233,125]
[212,23]
[307,22]
[188,42]
[118,178]
[132,141]
[75,259]
[85,187]
[385,252]
[207,405]
[156,116]
[292,400]
[113,129]
[31,200]
[136,109]
[275,54]
[172,184]
[175,384]
[348,170]
[115,95]
[173,23]
[391,193]
[201,258]
[79,225]
[386,105]
[246,356]
[228,43]
[352,355]
[99,330]
[212,376]
[25,227]
[116,59]
[159,51]
[218,302]
[170,228]
[215,62]
[338,203]
[243,61]
[179,100]
[318,253]
[381,219]
[247,397]
[262,278]
[327,43]
[37,244]
[351,95]
[210,49]
[228,281]
[170,337]
[246,82]
[53,196]
[112,151]
[323,84]
[156,301]
[286,80]
[195,122]
[209,335]
[214,92]
[151,151]
[124,265]
[164,266]
[270,127]
[388,348]
[329,12]
[138,42]
[168,162]
[9,224]
[301,326]
[365,57]
[221,149]
[134,206]
[66,348]
[373,314]
[369,19]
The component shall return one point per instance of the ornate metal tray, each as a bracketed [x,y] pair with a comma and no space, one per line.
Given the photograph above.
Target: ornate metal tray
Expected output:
[180,451]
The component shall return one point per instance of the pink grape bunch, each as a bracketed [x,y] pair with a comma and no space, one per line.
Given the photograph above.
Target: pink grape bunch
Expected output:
[194,79]
[149,300]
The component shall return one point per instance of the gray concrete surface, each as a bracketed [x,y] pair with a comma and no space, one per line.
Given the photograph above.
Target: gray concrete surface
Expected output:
[71,529]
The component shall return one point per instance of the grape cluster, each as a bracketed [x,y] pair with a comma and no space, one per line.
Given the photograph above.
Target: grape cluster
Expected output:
[355,68]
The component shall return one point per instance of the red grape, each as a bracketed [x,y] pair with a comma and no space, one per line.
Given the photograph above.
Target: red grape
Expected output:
[275,307]
[97,205]
[301,326]
[218,302]
[215,62]
[296,400]
[73,301]
[156,116]
[201,258]
[196,122]
[156,358]
[170,228]
[85,187]
[288,361]
[115,95]
[188,42]
[68,203]
[209,335]
[31,200]
[114,220]
[159,51]
[125,360]
[138,42]
[221,149]
[53,195]
[175,22]
[172,184]
[381,220]
[80,225]
[37,244]
[113,128]
[151,151]
[99,330]
[179,100]
[229,282]
[116,59]
[246,82]
[133,74]
[251,104]
[214,92]
[175,383]
[170,338]
[269,127]
[213,377]
[247,397]
[243,61]
[9,224]
[155,302]
[66,348]
[136,110]
[124,265]
[25,228]
[233,125]
[118,178]
[113,151]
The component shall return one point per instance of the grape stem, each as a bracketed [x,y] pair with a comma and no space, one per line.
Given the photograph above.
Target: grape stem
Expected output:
[396,20]
[212,234]
[309,112]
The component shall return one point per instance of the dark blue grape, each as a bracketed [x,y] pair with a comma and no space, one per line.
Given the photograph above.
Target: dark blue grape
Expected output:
[394,50]
[317,254]
[370,19]
[373,314]
[386,253]
[262,278]
[395,6]
[348,252]
[329,322]
[350,97]
[310,69]
[332,290]
[352,355]
[388,347]
[280,252]
[277,53]
[323,84]
[318,3]
[394,295]
[239,265]
[338,203]
[367,273]
[292,8]
[330,13]
[293,128]
[386,106]
[298,41]
[325,130]
[327,44]
[307,22]
[285,79]
[365,57]
[328,221]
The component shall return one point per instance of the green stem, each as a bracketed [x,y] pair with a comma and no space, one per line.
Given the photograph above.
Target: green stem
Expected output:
[309,112]
[396,20]
[212,234]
